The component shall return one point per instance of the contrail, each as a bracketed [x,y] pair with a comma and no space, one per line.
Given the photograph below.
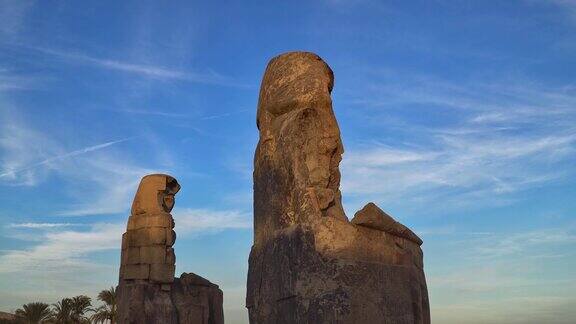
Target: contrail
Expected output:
[64,156]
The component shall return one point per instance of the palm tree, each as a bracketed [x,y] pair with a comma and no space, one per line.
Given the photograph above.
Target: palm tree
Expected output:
[63,312]
[80,305]
[33,313]
[106,312]
[72,310]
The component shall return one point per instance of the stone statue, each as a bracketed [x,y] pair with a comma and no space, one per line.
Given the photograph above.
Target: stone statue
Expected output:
[147,292]
[308,263]
[147,252]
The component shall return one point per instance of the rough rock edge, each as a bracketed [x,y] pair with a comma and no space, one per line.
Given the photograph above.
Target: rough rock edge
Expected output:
[374,217]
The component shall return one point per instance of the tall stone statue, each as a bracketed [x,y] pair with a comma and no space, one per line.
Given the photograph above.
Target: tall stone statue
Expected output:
[147,290]
[308,263]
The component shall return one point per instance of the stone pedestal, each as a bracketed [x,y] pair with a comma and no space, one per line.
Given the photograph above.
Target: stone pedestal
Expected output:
[189,299]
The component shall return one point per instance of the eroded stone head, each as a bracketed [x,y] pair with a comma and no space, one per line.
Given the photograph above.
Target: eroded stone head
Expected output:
[296,176]
[155,194]
[293,81]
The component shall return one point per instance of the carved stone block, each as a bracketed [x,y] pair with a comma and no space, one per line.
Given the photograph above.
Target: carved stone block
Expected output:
[136,271]
[162,272]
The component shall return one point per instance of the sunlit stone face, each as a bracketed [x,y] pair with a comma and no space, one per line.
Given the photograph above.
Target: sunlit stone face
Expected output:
[294,81]
[168,199]
[168,202]
[155,194]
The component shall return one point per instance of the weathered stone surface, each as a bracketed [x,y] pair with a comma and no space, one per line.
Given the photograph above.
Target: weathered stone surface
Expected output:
[187,300]
[149,235]
[309,264]
[142,302]
[148,291]
[162,273]
[374,217]
[135,271]
[197,300]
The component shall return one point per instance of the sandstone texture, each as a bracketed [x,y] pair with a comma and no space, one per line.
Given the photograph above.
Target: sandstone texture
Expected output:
[308,263]
[147,290]
[374,217]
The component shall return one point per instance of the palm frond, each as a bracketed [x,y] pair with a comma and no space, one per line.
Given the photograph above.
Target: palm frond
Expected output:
[36,312]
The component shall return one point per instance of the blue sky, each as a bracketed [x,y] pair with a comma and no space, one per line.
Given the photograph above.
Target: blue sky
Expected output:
[458,118]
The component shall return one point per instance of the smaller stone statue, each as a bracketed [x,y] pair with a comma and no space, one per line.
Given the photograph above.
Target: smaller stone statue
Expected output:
[147,252]
[147,291]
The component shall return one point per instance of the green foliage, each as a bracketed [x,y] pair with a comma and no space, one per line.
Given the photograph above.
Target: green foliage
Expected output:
[80,306]
[63,311]
[69,311]
[106,312]
[34,313]
[72,310]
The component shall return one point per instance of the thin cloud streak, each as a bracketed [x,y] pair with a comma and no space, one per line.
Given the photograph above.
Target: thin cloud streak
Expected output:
[151,71]
[10,81]
[190,220]
[13,15]
[499,140]
[72,248]
[151,112]
[12,173]
[522,243]
[111,178]
[40,225]
[176,115]
[223,115]
[60,263]
[62,249]
[116,182]
[505,266]
[22,146]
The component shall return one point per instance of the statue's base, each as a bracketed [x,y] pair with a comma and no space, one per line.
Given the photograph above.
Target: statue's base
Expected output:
[335,272]
[190,299]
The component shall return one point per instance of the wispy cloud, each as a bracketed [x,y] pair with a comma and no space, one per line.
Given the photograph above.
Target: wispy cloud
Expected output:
[115,182]
[22,146]
[40,225]
[496,261]
[545,308]
[511,268]
[29,155]
[59,263]
[463,163]
[151,112]
[12,173]
[13,15]
[71,247]
[522,243]
[61,260]
[223,115]
[567,6]
[499,139]
[190,220]
[147,70]
[178,115]
[11,81]
[62,250]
